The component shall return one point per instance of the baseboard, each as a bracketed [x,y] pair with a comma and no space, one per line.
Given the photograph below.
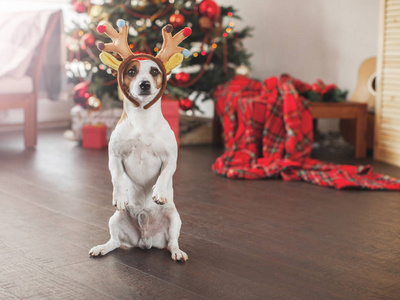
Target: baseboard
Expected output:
[50,124]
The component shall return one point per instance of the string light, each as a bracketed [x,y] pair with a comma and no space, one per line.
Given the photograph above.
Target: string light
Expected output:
[231,24]
[228,30]
[214,45]
[155,49]
[230,14]
[203,53]
[225,34]
[195,54]
[131,46]
[80,33]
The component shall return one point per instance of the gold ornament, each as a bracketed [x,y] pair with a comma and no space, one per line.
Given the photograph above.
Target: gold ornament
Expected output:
[97,14]
[242,70]
[95,11]
[138,4]
[94,103]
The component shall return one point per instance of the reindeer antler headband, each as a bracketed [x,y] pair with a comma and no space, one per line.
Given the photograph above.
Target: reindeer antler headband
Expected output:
[169,57]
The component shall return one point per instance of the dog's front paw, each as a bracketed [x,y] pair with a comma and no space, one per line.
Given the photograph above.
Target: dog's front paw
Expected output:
[179,255]
[159,197]
[120,200]
[98,250]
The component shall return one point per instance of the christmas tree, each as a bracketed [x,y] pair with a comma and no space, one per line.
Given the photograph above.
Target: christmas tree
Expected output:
[216,47]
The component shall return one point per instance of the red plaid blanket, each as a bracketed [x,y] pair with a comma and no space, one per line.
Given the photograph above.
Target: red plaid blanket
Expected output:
[268,133]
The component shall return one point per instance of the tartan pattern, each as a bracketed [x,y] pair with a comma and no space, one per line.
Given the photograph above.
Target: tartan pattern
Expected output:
[268,134]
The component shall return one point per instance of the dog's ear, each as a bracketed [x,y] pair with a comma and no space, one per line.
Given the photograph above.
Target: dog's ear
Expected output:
[110,60]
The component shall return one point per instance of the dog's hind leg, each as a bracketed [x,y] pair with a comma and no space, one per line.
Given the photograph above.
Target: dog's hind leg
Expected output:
[173,236]
[114,224]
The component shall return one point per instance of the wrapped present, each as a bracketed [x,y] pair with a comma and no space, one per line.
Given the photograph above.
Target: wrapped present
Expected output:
[94,136]
[170,110]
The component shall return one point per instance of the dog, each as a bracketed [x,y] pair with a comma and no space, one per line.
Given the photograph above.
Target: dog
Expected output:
[143,150]
[142,161]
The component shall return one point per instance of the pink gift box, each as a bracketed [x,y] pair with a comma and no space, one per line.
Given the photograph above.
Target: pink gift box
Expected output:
[170,110]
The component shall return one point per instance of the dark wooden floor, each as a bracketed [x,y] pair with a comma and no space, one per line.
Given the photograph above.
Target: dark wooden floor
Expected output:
[245,239]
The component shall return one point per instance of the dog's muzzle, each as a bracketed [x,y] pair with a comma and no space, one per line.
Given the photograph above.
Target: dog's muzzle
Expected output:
[145,87]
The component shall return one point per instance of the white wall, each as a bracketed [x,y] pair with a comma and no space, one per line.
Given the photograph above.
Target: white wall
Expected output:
[310,39]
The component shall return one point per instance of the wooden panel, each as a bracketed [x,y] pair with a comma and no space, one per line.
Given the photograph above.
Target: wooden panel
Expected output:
[387,121]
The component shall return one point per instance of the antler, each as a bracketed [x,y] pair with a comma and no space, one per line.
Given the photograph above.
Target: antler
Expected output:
[170,43]
[119,44]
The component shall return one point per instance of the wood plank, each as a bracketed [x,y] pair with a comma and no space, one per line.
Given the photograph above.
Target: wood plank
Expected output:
[265,239]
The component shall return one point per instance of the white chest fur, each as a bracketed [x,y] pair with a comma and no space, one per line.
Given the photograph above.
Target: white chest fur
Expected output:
[144,144]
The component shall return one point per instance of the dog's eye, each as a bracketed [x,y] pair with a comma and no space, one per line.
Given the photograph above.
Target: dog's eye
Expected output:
[132,72]
[154,72]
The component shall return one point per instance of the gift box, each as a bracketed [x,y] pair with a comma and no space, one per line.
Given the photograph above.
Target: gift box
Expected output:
[170,110]
[94,136]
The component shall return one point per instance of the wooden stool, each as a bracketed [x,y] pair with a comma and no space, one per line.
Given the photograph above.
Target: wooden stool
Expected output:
[346,110]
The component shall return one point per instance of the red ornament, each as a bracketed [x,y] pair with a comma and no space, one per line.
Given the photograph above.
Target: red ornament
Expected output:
[176,20]
[182,77]
[88,40]
[186,104]
[80,93]
[79,7]
[209,9]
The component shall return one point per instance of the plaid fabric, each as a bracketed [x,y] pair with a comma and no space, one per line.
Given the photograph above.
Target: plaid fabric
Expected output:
[268,133]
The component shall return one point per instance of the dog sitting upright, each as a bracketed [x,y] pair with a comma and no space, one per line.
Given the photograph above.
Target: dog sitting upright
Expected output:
[142,148]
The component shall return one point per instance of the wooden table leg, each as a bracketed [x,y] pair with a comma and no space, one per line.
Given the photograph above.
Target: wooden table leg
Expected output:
[217,130]
[361,134]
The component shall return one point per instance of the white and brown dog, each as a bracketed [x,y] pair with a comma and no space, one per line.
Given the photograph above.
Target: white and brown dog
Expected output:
[142,155]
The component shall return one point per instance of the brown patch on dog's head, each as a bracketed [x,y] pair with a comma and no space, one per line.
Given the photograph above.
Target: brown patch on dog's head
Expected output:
[157,77]
[130,72]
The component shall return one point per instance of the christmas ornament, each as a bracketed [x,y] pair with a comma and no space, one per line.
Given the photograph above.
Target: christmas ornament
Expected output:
[186,104]
[209,9]
[182,77]
[79,7]
[87,40]
[95,11]
[242,70]
[80,93]
[97,14]
[205,24]
[93,103]
[139,4]
[177,19]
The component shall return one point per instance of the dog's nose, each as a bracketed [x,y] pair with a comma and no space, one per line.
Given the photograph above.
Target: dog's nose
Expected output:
[145,85]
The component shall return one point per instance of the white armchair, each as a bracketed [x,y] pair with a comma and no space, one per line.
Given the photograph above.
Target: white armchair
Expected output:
[22,91]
